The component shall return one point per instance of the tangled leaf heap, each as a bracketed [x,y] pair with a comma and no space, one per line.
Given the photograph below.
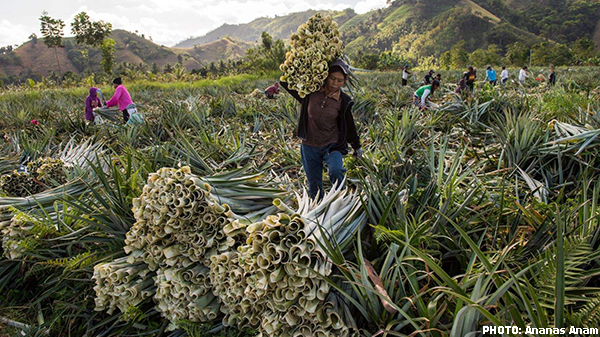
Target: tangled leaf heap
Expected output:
[316,43]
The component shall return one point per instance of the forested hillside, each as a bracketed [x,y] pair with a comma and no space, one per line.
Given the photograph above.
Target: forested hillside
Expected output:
[417,29]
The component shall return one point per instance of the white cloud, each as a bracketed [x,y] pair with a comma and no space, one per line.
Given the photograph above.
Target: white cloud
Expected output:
[13,34]
[368,5]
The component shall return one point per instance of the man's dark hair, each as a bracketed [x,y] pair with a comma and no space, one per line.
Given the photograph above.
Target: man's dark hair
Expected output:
[434,84]
[338,69]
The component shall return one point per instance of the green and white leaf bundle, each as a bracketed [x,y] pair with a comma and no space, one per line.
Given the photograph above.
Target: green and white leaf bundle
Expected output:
[316,43]
[180,225]
[275,282]
[120,284]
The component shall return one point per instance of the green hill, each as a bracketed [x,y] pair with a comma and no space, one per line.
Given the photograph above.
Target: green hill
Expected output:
[417,28]
[280,27]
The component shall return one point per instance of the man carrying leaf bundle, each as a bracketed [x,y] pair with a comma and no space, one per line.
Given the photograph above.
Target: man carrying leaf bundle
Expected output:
[326,126]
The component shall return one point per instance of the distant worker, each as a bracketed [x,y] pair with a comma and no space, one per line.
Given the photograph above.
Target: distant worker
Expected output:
[422,95]
[490,75]
[438,77]
[504,75]
[471,76]
[122,99]
[552,76]
[92,102]
[462,84]
[523,75]
[429,77]
[272,90]
[405,74]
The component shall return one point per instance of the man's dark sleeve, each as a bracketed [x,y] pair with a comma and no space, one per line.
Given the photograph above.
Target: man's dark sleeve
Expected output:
[294,93]
[352,135]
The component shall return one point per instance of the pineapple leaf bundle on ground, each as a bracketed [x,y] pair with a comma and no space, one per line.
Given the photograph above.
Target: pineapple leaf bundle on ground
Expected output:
[40,174]
[178,226]
[181,221]
[276,281]
[316,43]
[19,184]
[120,284]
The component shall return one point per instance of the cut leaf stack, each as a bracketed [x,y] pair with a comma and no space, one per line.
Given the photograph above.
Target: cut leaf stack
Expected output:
[120,284]
[276,281]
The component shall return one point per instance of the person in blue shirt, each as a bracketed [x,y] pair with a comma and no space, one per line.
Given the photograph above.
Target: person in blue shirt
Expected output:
[490,74]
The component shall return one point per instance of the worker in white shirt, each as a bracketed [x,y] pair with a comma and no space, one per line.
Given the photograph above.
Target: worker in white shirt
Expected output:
[405,74]
[523,75]
[504,75]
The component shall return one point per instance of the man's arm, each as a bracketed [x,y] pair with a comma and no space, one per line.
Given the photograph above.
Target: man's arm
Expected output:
[292,92]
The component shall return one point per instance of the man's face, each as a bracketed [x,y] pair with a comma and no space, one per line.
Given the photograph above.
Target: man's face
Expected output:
[335,81]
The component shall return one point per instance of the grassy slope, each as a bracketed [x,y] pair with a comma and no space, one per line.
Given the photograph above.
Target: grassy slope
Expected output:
[223,48]
[475,8]
[438,37]
[41,59]
[399,14]
[356,20]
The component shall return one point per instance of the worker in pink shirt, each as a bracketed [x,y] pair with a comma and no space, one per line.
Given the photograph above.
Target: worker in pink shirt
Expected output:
[121,98]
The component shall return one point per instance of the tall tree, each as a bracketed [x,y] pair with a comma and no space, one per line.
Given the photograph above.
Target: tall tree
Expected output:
[266,56]
[52,30]
[108,55]
[90,33]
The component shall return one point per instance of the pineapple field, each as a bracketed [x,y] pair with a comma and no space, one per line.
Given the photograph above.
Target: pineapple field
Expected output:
[482,212]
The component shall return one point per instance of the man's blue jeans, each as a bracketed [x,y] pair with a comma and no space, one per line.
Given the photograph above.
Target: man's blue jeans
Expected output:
[312,160]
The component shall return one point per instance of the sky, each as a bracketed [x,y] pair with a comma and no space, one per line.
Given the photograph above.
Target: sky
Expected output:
[167,22]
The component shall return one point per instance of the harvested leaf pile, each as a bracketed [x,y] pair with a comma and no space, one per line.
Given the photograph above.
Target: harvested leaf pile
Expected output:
[209,264]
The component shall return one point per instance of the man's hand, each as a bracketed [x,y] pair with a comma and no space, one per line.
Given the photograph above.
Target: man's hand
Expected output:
[359,153]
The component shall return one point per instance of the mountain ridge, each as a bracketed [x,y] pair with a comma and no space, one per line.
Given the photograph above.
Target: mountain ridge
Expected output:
[34,59]
[279,27]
